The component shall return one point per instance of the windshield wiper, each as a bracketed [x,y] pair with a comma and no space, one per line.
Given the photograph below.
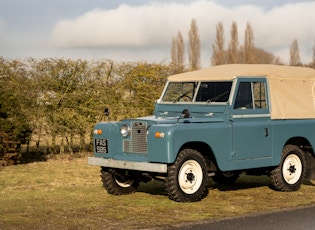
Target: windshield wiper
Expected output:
[184,95]
[220,96]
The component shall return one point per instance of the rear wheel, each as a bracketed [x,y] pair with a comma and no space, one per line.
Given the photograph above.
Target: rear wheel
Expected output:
[289,175]
[187,177]
[117,183]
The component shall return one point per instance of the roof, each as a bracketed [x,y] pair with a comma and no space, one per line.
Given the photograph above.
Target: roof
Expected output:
[229,72]
[291,89]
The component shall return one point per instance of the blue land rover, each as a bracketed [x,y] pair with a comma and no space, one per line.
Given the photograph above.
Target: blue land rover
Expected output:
[217,122]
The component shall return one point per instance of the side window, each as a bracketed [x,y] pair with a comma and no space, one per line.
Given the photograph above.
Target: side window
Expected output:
[251,95]
[244,96]
[259,89]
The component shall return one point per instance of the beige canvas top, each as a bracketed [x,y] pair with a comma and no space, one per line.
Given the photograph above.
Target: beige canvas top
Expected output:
[291,89]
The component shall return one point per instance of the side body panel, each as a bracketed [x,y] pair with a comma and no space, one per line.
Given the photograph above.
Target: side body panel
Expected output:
[216,135]
[286,130]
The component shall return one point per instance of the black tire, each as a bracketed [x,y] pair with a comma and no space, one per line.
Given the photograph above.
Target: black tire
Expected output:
[310,163]
[187,177]
[289,175]
[225,177]
[118,184]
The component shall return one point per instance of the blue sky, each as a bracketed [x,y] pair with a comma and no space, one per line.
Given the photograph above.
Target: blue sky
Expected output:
[142,30]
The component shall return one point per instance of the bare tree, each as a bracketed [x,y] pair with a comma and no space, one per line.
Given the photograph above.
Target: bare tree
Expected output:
[264,57]
[180,51]
[177,53]
[233,50]
[218,54]
[249,46]
[295,59]
[174,52]
[194,46]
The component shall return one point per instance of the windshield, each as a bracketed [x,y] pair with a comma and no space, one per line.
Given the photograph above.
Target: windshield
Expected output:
[200,92]
[179,92]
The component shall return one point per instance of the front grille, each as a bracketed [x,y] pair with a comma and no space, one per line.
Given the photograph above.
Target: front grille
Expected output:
[138,138]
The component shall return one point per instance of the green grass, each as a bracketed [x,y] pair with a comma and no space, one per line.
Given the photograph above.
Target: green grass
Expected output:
[68,194]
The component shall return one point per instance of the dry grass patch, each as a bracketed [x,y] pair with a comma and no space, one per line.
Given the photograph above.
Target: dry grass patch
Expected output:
[68,194]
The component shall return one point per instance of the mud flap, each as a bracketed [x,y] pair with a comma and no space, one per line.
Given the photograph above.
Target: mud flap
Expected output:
[310,166]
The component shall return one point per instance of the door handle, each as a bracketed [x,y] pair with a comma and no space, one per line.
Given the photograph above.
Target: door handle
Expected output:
[266,132]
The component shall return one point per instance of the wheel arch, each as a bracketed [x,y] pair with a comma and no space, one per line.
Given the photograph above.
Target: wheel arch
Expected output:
[308,150]
[205,150]
[302,143]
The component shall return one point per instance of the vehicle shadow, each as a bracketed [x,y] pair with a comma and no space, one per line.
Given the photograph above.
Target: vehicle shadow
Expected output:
[247,182]
[309,182]
[153,187]
[244,182]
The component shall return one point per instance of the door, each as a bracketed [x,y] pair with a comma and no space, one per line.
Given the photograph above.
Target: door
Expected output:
[251,125]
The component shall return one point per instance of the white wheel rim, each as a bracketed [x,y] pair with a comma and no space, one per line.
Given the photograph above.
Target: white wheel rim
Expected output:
[125,184]
[292,169]
[190,177]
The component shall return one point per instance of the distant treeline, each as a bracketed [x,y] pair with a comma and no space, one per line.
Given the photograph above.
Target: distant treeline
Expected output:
[42,101]
[54,103]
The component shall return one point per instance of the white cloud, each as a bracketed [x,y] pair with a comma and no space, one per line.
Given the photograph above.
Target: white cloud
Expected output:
[3,40]
[2,27]
[1,23]
[152,26]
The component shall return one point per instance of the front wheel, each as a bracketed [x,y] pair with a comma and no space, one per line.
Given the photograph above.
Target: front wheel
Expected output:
[289,175]
[117,183]
[187,177]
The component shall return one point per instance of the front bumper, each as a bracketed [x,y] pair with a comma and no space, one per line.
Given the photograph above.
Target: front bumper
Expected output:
[138,166]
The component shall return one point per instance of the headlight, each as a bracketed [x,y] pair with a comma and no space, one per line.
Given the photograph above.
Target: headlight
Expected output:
[125,130]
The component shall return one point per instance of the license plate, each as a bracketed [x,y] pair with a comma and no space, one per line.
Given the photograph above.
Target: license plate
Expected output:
[101,145]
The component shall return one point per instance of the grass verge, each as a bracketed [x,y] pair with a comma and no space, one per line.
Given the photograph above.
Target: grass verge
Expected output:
[68,194]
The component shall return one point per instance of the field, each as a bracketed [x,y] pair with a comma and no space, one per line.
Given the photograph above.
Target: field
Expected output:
[66,193]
